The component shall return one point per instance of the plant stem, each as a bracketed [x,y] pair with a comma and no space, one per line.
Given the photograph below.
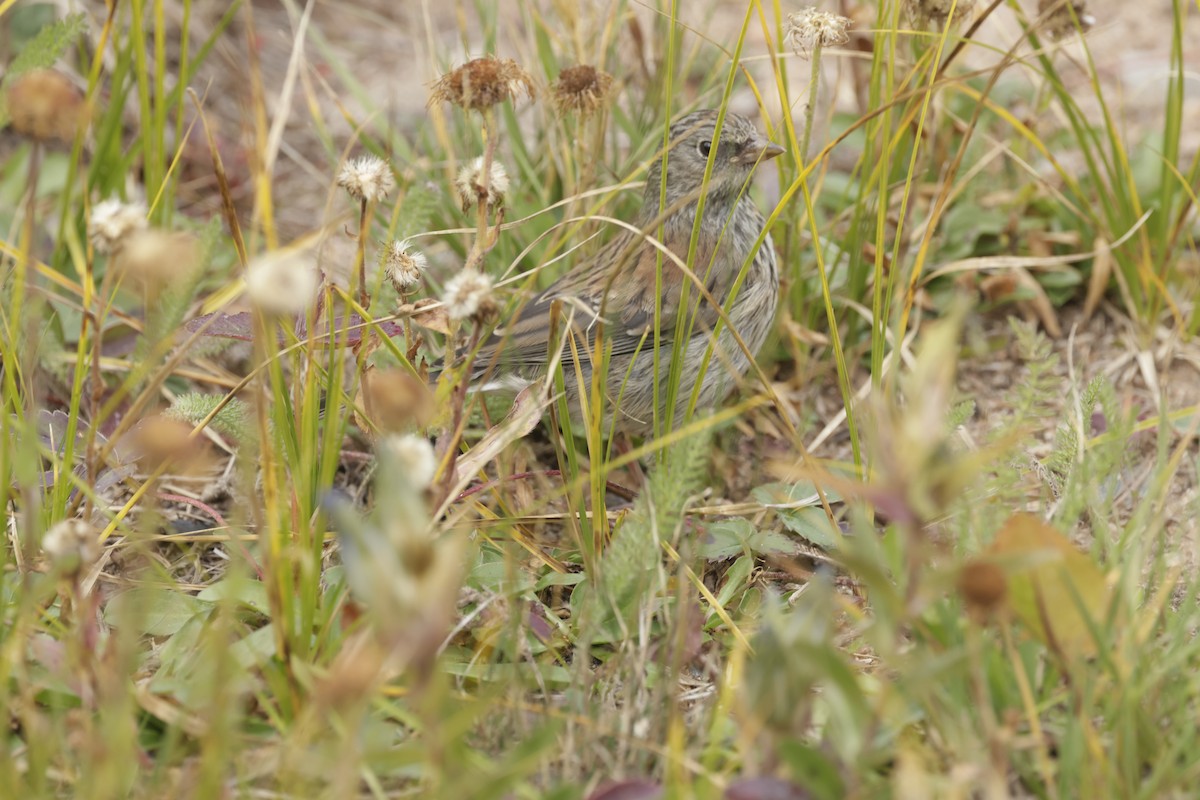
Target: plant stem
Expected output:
[810,109]
[360,256]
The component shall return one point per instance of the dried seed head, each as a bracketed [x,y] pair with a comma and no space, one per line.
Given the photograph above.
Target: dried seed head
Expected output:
[44,104]
[984,587]
[366,178]
[413,457]
[470,185]
[582,89]
[112,221]
[159,439]
[402,265]
[469,295]
[482,83]
[152,258]
[938,11]
[283,282]
[811,28]
[71,545]
[395,399]
[1059,22]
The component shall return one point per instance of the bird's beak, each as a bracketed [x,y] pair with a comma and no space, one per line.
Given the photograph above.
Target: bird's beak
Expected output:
[759,149]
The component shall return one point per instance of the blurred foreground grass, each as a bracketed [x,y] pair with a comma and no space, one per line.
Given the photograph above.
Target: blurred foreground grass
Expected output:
[235,566]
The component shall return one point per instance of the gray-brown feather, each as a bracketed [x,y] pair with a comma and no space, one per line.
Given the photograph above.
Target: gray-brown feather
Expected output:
[620,286]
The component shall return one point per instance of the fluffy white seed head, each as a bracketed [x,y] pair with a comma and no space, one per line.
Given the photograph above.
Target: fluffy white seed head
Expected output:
[283,282]
[470,184]
[112,221]
[414,458]
[809,28]
[366,178]
[467,294]
[71,545]
[403,265]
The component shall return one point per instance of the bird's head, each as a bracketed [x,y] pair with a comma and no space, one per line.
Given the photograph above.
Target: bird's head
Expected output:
[739,148]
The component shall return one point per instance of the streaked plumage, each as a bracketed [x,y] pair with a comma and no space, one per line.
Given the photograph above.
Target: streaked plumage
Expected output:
[618,284]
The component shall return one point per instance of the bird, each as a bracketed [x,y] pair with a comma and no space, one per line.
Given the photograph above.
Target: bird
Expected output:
[615,290]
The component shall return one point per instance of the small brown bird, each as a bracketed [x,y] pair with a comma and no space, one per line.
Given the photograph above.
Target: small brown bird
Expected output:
[616,289]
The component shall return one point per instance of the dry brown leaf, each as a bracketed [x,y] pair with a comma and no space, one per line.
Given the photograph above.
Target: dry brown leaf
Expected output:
[1040,303]
[434,319]
[1102,267]
[1052,585]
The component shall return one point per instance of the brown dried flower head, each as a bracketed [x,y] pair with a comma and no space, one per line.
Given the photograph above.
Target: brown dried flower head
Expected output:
[1059,21]
[403,266]
[468,295]
[482,83]
[810,28]
[112,221]
[471,188]
[44,104]
[395,400]
[581,89]
[366,178]
[938,11]
[163,440]
[984,587]
[153,258]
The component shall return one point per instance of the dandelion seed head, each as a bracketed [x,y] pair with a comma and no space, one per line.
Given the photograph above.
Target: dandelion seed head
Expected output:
[470,184]
[468,295]
[112,221]
[809,28]
[413,457]
[71,545]
[282,282]
[403,265]
[366,178]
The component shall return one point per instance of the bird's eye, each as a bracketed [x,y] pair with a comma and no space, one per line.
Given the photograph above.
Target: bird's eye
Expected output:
[705,148]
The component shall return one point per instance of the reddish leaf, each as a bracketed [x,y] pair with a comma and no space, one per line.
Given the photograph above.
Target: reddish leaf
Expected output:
[635,789]
[765,789]
[240,326]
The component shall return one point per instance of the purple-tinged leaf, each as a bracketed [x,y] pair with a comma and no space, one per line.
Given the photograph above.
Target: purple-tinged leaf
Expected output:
[634,789]
[240,326]
[765,789]
[538,622]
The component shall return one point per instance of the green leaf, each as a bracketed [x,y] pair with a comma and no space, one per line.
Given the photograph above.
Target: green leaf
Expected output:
[48,46]
[255,648]
[812,525]
[553,578]
[40,52]
[530,673]
[736,580]
[154,610]
[793,495]
[728,538]
[798,506]
[239,589]
[234,420]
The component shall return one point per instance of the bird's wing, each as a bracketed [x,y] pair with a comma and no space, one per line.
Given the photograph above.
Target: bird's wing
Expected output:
[617,286]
